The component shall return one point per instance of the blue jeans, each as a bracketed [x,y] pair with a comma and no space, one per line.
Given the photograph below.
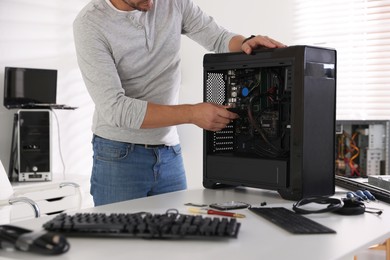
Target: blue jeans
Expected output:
[125,171]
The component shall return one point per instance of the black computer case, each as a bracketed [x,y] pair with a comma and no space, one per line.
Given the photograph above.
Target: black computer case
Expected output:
[33,145]
[284,138]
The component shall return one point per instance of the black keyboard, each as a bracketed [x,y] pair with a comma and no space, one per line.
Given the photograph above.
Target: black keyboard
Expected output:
[143,225]
[291,221]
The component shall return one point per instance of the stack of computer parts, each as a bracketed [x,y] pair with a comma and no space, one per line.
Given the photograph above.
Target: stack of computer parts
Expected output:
[284,137]
[362,148]
[363,155]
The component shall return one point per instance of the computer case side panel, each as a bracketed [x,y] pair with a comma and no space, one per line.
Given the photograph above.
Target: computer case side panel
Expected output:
[294,188]
[313,120]
[320,119]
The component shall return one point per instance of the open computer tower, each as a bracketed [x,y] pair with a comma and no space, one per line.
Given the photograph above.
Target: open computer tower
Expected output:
[362,148]
[284,138]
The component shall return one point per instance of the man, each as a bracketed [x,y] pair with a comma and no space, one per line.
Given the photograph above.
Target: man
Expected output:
[128,53]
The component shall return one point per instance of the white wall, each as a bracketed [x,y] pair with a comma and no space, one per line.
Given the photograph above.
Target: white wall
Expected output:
[38,34]
[247,17]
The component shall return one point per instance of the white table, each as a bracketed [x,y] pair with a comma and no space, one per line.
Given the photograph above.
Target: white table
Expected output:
[257,239]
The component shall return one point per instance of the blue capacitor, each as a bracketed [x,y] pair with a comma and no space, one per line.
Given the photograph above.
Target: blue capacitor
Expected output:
[245,92]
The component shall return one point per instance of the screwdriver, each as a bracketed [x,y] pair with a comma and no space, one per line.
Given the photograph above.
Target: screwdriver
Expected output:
[215,212]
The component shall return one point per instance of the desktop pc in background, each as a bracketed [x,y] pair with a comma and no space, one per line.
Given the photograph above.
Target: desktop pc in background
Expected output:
[362,148]
[284,139]
[32,93]
[362,152]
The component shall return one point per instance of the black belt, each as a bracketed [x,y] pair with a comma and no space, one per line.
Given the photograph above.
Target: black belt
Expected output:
[151,146]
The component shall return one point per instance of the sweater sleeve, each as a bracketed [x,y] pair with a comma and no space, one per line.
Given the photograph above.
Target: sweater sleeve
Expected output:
[100,75]
[203,29]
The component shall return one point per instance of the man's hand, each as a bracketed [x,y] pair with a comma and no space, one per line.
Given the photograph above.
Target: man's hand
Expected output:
[211,117]
[260,41]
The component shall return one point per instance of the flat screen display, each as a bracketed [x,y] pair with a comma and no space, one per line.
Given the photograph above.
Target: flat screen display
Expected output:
[28,87]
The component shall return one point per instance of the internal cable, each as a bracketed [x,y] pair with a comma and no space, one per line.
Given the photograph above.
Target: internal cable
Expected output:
[273,151]
[352,144]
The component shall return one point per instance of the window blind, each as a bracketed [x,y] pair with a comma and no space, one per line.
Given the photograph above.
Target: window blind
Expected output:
[359,30]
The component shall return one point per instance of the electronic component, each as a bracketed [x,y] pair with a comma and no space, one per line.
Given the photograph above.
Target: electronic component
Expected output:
[291,221]
[261,99]
[352,184]
[33,145]
[46,243]
[380,181]
[362,148]
[144,225]
[284,137]
[230,205]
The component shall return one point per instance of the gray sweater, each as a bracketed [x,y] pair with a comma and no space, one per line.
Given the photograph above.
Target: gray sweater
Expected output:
[129,58]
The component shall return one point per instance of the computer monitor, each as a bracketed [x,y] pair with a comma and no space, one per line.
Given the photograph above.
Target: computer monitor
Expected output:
[28,87]
[284,137]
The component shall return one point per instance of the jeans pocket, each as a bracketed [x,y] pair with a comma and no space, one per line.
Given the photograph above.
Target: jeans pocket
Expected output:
[110,150]
[177,149]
